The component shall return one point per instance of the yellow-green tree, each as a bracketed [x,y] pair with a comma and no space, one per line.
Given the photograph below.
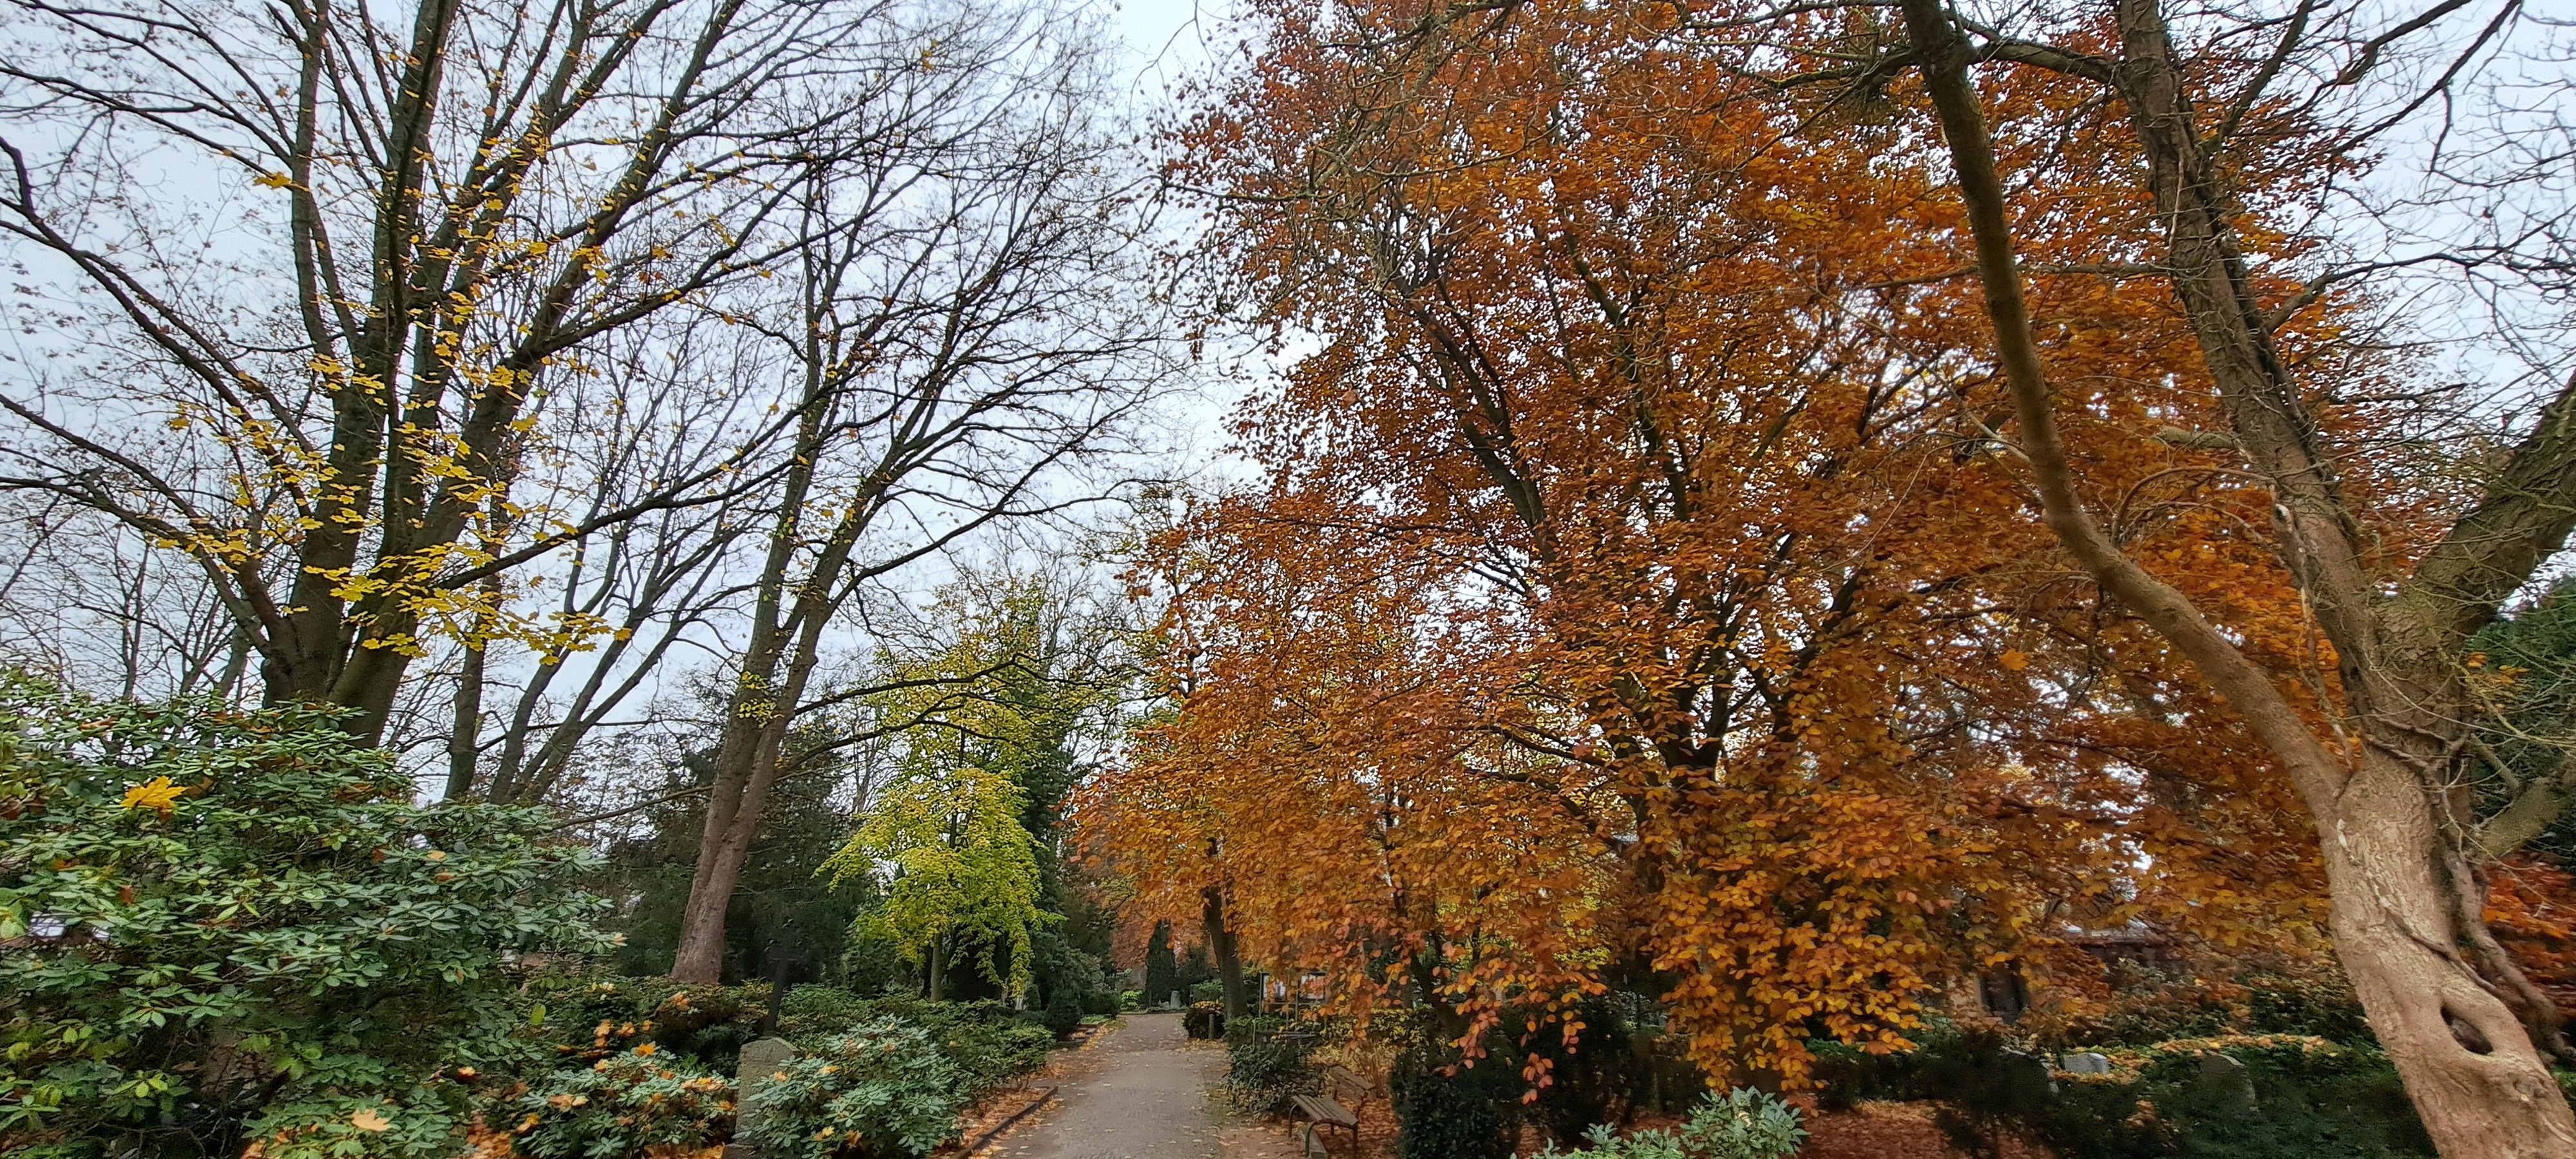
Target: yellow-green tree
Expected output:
[961,873]
[960,831]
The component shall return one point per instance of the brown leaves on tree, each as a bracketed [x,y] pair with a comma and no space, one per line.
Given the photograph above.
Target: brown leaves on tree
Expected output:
[1641,593]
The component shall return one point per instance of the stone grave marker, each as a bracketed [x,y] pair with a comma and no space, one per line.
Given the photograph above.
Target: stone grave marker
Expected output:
[761,1057]
[2086,1062]
[2221,1072]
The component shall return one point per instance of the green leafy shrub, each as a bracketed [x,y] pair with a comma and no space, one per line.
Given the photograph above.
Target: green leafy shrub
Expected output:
[622,1104]
[1740,1124]
[1063,1013]
[884,1087]
[1262,1069]
[987,1043]
[1594,1080]
[2317,1099]
[1452,1111]
[2163,1006]
[1744,1124]
[226,926]
[589,1017]
[814,1013]
[1605,1142]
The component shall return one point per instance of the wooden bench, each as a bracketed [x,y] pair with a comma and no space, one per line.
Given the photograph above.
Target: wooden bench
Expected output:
[1322,1111]
[1347,1085]
[1326,1110]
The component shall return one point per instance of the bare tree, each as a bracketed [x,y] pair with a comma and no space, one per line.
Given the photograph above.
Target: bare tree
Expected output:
[609,610]
[957,355]
[305,267]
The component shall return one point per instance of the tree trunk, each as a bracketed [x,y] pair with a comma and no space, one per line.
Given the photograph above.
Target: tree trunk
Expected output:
[2467,1061]
[1223,947]
[2400,907]
[746,766]
[465,729]
[938,967]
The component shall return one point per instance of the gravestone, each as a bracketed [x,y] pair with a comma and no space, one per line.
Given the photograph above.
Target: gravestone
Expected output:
[2086,1062]
[2223,1073]
[761,1058]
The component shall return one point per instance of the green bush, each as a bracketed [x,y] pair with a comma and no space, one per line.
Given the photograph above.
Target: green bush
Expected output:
[1063,1013]
[815,1013]
[1593,1081]
[1204,1020]
[2317,1099]
[987,1043]
[884,1087]
[588,1016]
[1741,1124]
[1744,1124]
[227,926]
[622,1104]
[1454,1115]
[2160,1006]
[1262,1070]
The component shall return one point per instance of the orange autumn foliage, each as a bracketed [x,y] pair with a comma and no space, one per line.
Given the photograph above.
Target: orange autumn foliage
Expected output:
[1638,595]
[2531,905]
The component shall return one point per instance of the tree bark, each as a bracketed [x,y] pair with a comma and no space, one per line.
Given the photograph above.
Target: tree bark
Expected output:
[2400,906]
[1225,948]
[465,728]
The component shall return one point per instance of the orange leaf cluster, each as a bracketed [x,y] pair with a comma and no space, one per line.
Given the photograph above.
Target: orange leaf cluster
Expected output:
[1641,593]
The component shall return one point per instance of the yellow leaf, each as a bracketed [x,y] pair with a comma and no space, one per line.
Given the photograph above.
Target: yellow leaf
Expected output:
[279,181]
[2013,659]
[158,793]
[369,1119]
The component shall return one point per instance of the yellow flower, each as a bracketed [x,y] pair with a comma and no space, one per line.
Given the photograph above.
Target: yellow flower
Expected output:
[158,793]
[647,1048]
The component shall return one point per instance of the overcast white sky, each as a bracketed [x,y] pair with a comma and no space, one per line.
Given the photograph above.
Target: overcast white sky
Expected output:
[1165,38]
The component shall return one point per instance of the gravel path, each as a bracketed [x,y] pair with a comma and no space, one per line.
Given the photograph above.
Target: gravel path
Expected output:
[1144,1091]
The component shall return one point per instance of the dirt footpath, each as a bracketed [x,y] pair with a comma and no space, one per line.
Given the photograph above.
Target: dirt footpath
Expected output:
[1140,1091]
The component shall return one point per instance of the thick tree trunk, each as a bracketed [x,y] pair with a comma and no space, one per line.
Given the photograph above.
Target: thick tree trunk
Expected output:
[1223,946]
[746,766]
[2465,1056]
[2401,907]
[938,980]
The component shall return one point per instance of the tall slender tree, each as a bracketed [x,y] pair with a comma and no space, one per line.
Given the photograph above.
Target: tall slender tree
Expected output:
[956,367]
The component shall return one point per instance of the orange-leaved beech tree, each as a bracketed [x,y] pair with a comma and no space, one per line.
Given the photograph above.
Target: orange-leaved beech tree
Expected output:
[1638,593]
[2371,721]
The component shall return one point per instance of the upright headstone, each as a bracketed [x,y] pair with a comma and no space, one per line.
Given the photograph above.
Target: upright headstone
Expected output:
[2223,1073]
[2086,1062]
[761,1058]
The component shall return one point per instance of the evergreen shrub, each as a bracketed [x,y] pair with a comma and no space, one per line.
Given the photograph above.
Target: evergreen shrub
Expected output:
[886,1087]
[1262,1069]
[228,928]
[620,1105]
[1447,1110]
